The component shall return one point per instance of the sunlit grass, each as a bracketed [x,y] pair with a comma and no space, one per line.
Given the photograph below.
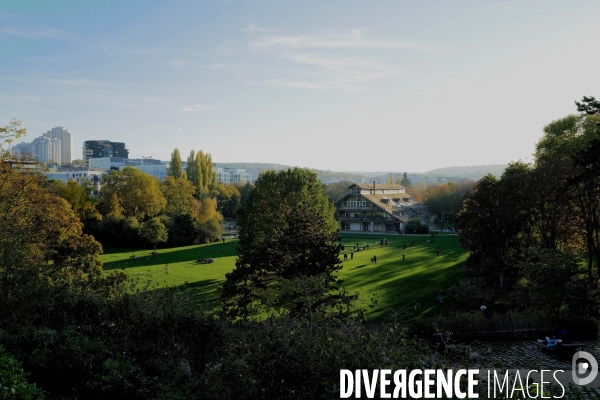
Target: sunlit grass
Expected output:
[391,283]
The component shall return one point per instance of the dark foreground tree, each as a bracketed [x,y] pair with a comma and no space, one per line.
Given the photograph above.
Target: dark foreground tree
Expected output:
[288,249]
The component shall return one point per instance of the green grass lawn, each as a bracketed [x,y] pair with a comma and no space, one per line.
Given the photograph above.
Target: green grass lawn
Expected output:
[392,283]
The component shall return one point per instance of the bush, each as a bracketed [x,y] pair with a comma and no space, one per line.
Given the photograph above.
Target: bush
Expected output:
[415,225]
[13,380]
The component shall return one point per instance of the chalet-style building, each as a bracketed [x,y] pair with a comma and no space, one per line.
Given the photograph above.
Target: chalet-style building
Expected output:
[375,208]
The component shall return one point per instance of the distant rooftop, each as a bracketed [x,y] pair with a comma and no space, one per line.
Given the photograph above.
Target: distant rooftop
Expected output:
[378,186]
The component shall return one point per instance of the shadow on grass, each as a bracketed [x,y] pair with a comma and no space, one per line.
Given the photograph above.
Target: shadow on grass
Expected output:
[168,256]
[203,291]
[395,283]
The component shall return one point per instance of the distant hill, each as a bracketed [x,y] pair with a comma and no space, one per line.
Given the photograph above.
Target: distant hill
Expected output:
[440,175]
[474,172]
[325,176]
[261,166]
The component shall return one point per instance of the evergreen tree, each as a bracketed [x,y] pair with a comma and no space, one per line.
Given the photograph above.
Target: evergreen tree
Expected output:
[405,181]
[175,166]
[588,105]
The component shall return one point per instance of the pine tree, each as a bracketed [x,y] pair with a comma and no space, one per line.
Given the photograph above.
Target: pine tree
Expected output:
[405,181]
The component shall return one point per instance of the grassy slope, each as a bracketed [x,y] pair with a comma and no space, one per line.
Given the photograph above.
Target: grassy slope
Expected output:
[393,283]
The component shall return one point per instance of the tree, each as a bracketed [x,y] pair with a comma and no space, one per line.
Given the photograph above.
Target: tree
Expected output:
[495,223]
[447,197]
[175,169]
[415,225]
[573,142]
[245,189]
[10,132]
[80,199]
[287,232]
[134,192]
[44,256]
[336,191]
[552,279]
[184,230]
[192,171]
[417,191]
[200,182]
[153,231]
[228,199]
[200,173]
[179,194]
[205,166]
[405,181]
[588,105]
[210,220]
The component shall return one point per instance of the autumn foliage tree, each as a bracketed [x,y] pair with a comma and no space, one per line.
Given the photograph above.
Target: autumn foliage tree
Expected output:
[45,259]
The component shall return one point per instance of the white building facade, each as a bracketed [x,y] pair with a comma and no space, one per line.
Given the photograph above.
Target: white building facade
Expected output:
[53,147]
[66,143]
[43,149]
[227,176]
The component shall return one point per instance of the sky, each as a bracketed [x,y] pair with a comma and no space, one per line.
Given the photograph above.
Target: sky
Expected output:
[335,85]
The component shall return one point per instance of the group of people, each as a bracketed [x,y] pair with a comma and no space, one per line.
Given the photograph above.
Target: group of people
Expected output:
[205,260]
[351,256]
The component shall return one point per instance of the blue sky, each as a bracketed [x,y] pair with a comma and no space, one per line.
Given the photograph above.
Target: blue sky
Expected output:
[339,85]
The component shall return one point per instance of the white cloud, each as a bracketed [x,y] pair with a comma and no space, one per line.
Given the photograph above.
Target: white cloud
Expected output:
[352,69]
[354,38]
[349,68]
[256,28]
[346,74]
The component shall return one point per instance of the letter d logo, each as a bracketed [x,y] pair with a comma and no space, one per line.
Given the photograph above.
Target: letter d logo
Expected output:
[579,370]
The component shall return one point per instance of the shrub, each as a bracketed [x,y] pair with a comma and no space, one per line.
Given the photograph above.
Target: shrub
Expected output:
[415,225]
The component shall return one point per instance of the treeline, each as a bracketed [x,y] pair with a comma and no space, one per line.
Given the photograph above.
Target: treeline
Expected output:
[536,230]
[134,208]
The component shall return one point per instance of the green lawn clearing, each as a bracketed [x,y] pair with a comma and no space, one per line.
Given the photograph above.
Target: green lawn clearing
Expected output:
[387,286]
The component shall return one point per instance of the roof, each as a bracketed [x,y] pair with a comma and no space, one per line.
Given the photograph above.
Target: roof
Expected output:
[392,203]
[377,186]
